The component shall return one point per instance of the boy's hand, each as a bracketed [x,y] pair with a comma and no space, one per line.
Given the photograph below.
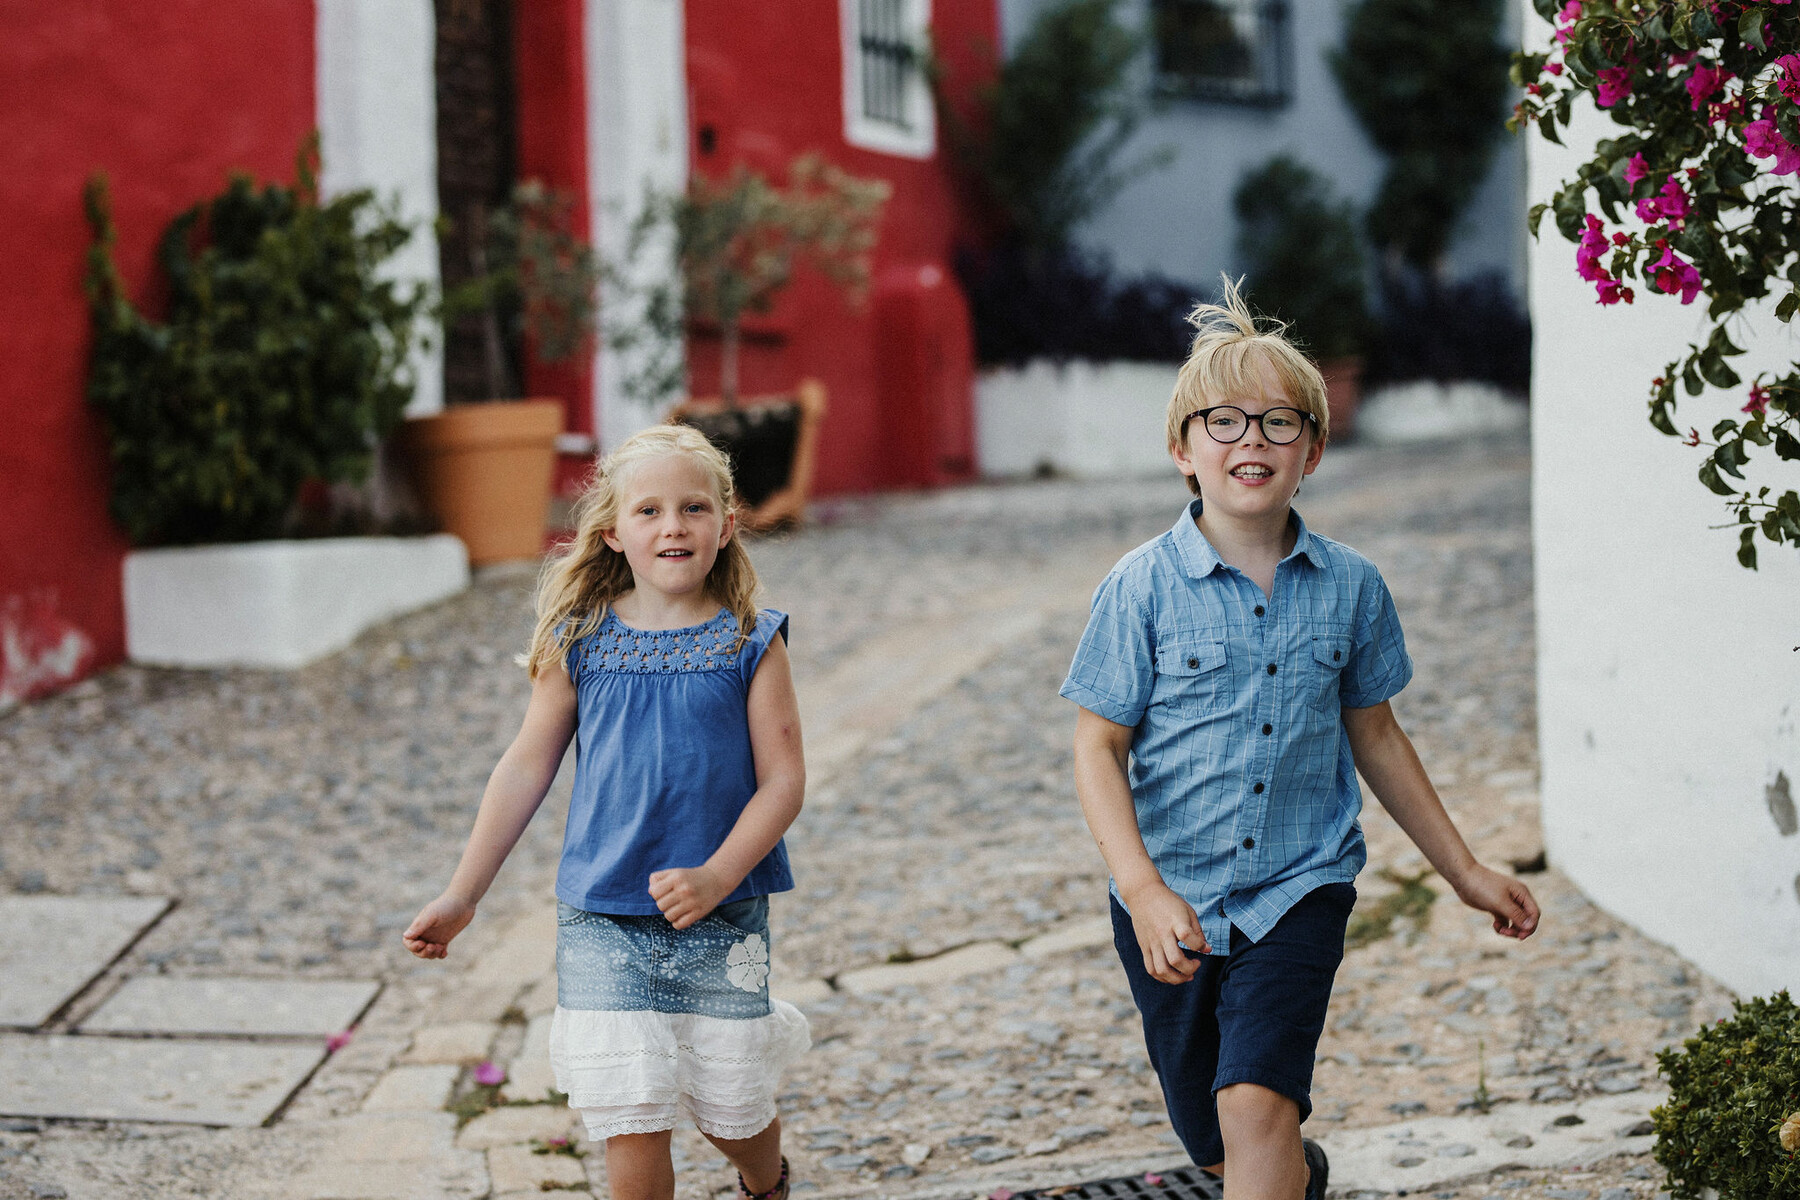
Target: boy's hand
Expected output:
[430,932]
[1507,899]
[1163,922]
[686,894]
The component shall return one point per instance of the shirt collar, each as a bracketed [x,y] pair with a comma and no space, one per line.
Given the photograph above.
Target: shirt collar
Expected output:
[1200,559]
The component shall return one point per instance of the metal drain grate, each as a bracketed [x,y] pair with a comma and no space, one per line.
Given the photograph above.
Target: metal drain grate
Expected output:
[1185,1183]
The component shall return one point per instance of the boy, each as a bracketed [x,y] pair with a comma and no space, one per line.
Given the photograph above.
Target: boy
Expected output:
[1234,676]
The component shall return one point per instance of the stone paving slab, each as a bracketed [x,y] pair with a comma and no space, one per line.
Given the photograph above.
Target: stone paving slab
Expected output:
[51,947]
[230,1005]
[141,1079]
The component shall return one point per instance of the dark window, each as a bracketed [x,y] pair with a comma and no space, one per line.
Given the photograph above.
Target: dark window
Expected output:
[1230,50]
[888,61]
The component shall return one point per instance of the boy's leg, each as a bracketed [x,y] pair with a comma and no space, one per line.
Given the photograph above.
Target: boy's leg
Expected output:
[1273,996]
[757,1158]
[638,1166]
[1181,1036]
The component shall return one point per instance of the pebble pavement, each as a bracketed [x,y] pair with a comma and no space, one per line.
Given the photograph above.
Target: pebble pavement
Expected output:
[971,1027]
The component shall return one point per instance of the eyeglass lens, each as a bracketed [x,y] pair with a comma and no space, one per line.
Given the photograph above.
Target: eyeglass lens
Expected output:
[1279,425]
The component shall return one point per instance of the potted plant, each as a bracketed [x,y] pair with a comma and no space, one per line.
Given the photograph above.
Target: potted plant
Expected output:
[279,365]
[485,469]
[1305,266]
[736,243]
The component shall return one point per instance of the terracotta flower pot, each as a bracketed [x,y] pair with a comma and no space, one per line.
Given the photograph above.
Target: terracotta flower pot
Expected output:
[484,470]
[1343,394]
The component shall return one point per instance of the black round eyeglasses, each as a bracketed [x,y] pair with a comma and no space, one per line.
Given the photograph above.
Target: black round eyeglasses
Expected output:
[1227,423]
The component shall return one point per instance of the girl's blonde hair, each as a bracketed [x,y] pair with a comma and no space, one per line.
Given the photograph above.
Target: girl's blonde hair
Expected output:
[1221,366]
[582,578]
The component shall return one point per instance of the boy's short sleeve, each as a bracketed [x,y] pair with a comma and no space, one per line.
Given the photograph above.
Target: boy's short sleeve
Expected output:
[1379,665]
[1114,668]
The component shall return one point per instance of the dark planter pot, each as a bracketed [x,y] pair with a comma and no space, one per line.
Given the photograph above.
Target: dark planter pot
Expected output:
[772,442]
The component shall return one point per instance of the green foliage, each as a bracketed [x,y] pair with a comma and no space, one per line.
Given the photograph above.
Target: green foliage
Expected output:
[1731,1086]
[736,243]
[1428,82]
[282,359]
[1043,143]
[1706,164]
[539,271]
[1305,264]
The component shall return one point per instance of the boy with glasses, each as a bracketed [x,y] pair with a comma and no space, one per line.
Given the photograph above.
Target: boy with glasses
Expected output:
[1234,676]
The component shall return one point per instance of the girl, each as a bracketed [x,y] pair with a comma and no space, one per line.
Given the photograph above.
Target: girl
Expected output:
[650,651]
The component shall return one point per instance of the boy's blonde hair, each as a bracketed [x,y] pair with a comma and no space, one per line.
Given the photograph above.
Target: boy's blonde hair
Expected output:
[582,578]
[1221,365]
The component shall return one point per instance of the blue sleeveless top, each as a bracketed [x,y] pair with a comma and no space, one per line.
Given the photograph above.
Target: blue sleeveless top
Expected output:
[663,767]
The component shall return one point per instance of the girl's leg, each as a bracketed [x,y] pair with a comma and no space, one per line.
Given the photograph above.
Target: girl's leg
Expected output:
[638,1166]
[757,1158]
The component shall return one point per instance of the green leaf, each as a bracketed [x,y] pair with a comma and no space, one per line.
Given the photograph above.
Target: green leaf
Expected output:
[1715,372]
[1790,303]
[1746,552]
[1535,217]
[1750,27]
[1709,475]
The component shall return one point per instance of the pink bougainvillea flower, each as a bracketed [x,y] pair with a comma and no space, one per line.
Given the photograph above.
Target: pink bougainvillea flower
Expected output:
[1611,291]
[1703,83]
[1789,83]
[1635,170]
[1762,140]
[490,1074]
[1759,401]
[1672,275]
[1555,68]
[1587,254]
[1674,201]
[1692,439]
[1615,85]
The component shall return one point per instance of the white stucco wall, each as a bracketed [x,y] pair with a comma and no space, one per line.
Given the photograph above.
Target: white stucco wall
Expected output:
[1668,681]
[637,139]
[1086,419]
[377,111]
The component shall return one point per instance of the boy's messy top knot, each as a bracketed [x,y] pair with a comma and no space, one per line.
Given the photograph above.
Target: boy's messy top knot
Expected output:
[1223,366]
[584,576]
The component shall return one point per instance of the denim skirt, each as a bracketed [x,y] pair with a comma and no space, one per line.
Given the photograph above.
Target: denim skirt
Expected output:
[653,1022]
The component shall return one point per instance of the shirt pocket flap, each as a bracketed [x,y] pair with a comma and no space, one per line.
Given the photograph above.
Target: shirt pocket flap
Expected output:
[1190,658]
[1331,651]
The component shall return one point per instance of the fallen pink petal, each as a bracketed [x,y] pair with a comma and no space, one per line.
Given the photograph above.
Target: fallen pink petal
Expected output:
[1151,1178]
[490,1074]
[339,1040]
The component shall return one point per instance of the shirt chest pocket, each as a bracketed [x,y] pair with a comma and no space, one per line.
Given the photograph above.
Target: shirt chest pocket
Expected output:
[1330,651]
[1191,675]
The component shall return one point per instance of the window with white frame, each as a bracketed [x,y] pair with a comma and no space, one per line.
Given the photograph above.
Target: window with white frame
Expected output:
[887,101]
[1234,51]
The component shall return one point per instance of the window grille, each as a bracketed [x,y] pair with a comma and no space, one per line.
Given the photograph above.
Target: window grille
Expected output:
[1235,51]
[887,101]
[888,61]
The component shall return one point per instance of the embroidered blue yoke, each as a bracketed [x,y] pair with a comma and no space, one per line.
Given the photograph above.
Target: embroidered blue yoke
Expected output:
[663,767]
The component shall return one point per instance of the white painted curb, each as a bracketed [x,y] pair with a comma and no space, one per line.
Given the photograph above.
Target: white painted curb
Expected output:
[1089,420]
[281,603]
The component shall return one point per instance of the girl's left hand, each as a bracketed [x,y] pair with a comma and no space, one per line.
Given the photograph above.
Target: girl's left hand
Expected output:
[686,894]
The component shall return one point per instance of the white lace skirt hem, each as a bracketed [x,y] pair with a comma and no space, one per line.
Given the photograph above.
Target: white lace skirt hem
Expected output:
[638,1072]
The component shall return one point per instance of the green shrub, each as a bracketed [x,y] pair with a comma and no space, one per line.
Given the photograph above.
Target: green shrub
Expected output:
[1730,1088]
[1299,247]
[282,360]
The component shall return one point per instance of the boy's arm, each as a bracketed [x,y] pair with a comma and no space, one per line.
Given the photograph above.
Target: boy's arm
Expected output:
[1160,918]
[1386,758]
[685,895]
[514,791]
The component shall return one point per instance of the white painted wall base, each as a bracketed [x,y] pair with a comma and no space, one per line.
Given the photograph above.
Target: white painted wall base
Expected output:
[1082,419]
[1424,410]
[1668,685]
[278,604]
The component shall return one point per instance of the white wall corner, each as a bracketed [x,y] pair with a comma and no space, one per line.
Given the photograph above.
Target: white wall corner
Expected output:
[637,123]
[377,116]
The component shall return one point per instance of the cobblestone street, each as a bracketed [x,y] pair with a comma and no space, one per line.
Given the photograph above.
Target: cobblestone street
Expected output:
[947,937]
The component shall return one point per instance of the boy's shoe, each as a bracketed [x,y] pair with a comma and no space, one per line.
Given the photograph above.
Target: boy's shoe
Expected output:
[1318,1165]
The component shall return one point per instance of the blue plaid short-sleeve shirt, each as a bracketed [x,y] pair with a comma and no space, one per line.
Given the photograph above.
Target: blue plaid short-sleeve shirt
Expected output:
[1241,771]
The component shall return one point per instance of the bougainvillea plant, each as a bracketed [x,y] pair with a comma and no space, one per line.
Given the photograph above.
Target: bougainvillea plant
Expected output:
[1697,197]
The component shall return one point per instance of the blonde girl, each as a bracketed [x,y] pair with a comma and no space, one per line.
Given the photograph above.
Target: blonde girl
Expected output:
[650,652]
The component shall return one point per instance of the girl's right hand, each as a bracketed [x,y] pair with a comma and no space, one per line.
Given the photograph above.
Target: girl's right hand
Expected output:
[430,932]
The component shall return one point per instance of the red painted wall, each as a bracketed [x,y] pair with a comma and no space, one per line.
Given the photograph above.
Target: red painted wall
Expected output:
[167,98]
[767,81]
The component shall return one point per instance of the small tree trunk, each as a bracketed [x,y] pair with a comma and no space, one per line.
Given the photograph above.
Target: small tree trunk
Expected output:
[728,363]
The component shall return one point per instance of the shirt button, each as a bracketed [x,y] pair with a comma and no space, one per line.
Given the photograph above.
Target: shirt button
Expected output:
[1249,843]
[1271,668]
[1193,662]
[1336,654]
[1259,610]
[1268,729]
[1257,789]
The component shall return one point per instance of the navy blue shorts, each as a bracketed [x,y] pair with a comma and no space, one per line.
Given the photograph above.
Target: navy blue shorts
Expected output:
[1252,1016]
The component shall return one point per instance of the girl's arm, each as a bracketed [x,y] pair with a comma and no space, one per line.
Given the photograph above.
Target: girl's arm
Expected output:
[686,894]
[1386,758]
[514,791]
[1162,920]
